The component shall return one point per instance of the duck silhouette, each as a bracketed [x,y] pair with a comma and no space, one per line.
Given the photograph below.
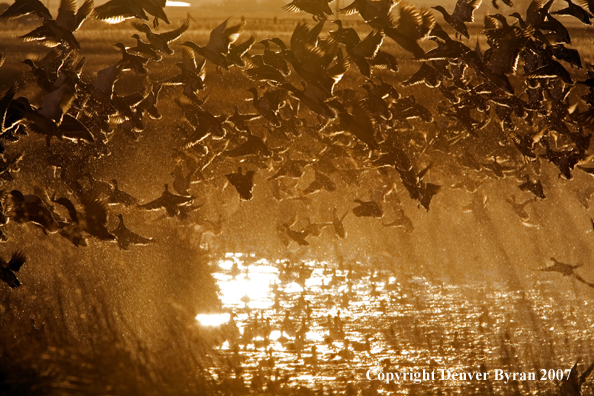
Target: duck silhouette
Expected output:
[243,183]
[562,268]
[160,42]
[125,237]
[368,209]
[8,269]
[171,202]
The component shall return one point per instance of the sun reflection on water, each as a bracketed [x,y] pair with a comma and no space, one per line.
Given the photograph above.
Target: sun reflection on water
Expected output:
[171,3]
[213,319]
[319,323]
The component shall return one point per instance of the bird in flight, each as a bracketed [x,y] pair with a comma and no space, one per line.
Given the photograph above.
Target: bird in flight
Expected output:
[8,269]
[566,270]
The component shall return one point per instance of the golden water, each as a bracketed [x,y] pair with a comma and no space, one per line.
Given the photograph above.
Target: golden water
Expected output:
[410,323]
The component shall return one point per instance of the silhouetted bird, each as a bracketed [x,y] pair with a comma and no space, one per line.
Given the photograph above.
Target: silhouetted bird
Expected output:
[73,230]
[30,208]
[131,61]
[360,51]
[253,145]
[358,122]
[238,52]
[125,237]
[145,49]
[374,12]
[269,104]
[25,7]
[534,186]
[116,11]
[368,209]
[5,101]
[120,197]
[462,13]
[425,75]
[575,11]
[218,44]
[572,386]
[565,160]
[312,98]
[243,183]
[519,207]
[161,41]
[98,188]
[272,58]
[338,225]
[8,269]
[240,120]
[318,8]
[321,182]
[401,221]
[297,236]
[60,30]
[562,268]
[171,202]
[95,218]
[412,26]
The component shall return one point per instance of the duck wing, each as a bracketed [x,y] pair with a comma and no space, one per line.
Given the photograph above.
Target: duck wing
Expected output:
[16,261]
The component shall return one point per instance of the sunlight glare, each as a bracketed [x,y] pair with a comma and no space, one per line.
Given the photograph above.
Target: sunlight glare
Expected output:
[256,286]
[213,319]
[176,4]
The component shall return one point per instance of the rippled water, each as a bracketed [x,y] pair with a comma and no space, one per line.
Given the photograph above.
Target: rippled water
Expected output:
[324,325]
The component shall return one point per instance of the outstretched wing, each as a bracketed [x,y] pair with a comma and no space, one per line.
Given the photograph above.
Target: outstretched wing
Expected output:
[584,281]
[175,34]
[153,205]
[16,261]
[586,374]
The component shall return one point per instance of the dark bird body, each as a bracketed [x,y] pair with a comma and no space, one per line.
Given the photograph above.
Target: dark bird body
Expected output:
[368,209]
[534,186]
[562,268]
[125,237]
[8,269]
[171,202]
[338,225]
[243,183]
[319,9]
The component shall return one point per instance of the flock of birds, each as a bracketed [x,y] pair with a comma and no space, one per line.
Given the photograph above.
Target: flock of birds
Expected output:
[488,113]
[484,118]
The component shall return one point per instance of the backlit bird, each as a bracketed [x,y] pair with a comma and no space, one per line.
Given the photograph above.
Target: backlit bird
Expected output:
[463,12]
[374,12]
[25,7]
[145,49]
[161,41]
[116,11]
[534,186]
[318,8]
[171,202]
[53,32]
[125,237]
[243,183]
[575,11]
[8,269]
[218,45]
[237,52]
[562,268]
[338,225]
[120,197]
[413,25]
[368,209]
